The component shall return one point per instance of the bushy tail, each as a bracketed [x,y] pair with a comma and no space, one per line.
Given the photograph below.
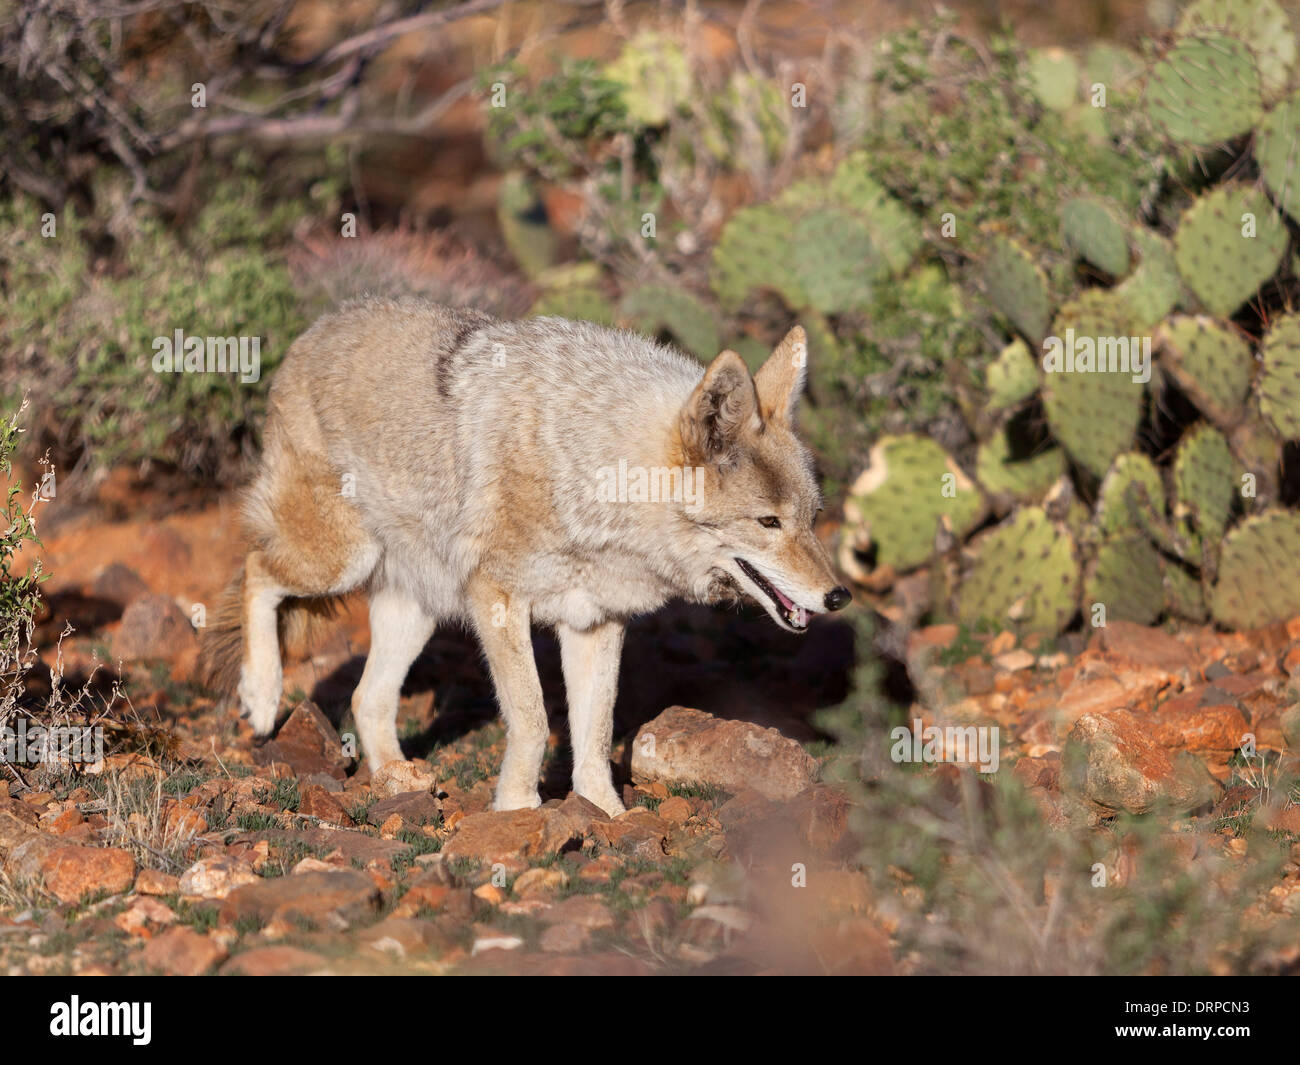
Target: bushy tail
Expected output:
[221,650]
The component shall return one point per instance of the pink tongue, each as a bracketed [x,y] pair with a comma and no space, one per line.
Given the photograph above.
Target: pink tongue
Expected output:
[784,601]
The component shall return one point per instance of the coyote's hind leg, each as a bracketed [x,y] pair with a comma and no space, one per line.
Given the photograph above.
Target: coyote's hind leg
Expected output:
[399,629]
[261,678]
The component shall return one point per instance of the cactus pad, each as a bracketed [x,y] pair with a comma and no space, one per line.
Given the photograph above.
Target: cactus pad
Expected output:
[1279,385]
[1092,230]
[1093,414]
[1126,576]
[1028,478]
[1204,482]
[1221,263]
[1205,90]
[1277,151]
[1260,24]
[1154,288]
[1116,511]
[754,252]
[1016,286]
[667,308]
[835,260]
[1054,77]
[1258,581]
[1011,377]
[1210,360]
[909,486]
[1024,571]
[1184,597]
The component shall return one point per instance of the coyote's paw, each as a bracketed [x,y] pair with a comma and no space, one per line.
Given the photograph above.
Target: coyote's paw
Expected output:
[517,800]
[258,706]
[606,798]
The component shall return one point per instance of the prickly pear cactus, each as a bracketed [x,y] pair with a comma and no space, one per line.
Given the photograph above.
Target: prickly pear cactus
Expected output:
[1054,76]
[1204,482]
[910,487]
[1092,230]
[1116,510]
[753,252]
[1279,384]
[1184,597]
[1012,377]
[1093,414]
[1016,477]
[894,229]
[667,308]
[1016,286]
[1205,90]
[1024,573]
[1277,151]
[1228,243]
[1211,361]
[1154,288]
[835,260]
[1258,581]
[1126,576]
[1261,25]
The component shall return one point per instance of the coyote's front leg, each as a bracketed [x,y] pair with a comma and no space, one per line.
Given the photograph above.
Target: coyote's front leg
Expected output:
[503,629]
[590,661]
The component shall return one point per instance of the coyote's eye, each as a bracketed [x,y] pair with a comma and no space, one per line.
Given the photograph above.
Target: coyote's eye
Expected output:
[770,522]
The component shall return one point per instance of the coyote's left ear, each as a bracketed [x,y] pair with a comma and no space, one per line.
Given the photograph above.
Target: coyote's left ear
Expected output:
[780,379]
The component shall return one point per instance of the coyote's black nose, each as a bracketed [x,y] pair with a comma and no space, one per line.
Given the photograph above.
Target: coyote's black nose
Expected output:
[837,598]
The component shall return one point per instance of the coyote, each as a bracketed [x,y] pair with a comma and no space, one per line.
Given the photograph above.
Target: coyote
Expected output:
[457,467]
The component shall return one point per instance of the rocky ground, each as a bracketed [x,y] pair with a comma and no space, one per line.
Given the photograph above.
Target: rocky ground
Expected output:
[192,850]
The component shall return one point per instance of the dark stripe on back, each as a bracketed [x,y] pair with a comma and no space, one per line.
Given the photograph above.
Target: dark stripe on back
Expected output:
[465,328]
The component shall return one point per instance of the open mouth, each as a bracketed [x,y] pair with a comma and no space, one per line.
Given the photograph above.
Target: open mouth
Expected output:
[796,617]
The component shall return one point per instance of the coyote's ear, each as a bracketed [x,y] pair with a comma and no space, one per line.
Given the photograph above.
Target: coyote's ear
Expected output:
[722,406]
[780,379]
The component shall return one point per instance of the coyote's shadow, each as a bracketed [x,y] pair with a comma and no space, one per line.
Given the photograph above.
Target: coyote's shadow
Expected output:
[727,663]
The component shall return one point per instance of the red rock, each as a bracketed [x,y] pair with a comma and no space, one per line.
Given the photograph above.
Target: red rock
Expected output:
[154,627]
[215,878]
[930,639]
[564,939]
[584,911]
[1199,728]
[510,835]
[315,801]
[333,900]
[153,882]
[307,743]
[685,746]
[71,872]
[427,892]
[405,937]
[136,918]
[397,778]
[1109,759]
[273,961]
[675,810]
[120,584]
[181,951]
[1096,691]
[1130,645]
